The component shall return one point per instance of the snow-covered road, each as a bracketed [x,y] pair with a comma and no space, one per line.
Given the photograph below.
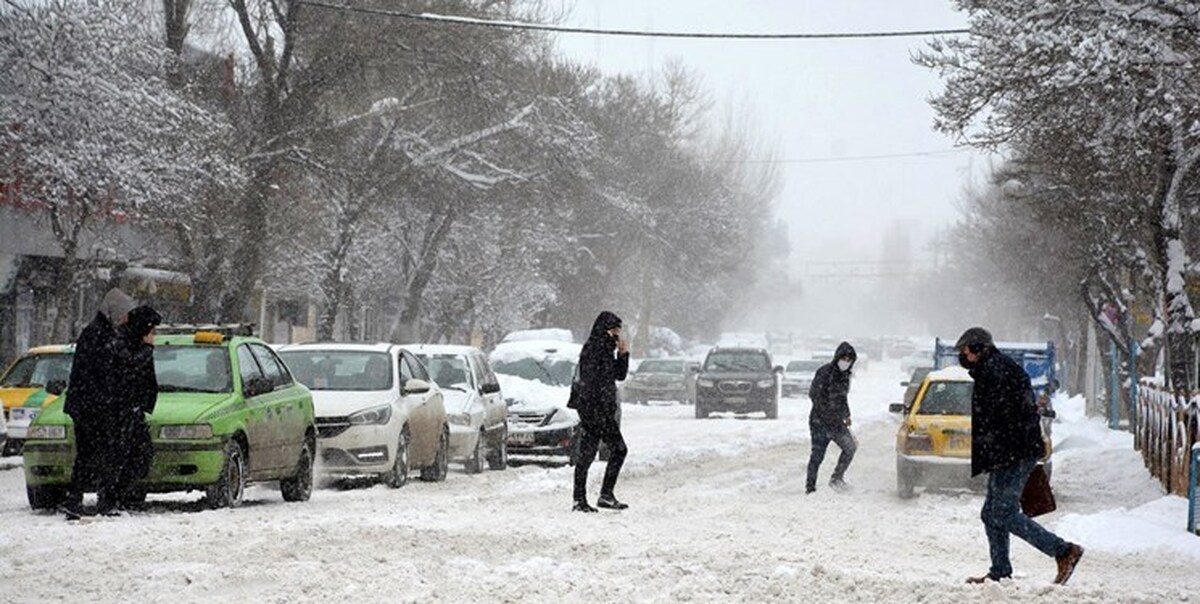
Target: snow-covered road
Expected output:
[718,514]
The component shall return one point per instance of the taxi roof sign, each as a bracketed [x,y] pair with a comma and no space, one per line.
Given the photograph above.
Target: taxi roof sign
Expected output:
[208,337]
[227,330]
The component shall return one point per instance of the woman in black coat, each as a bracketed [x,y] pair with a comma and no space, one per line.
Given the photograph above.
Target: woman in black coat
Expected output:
[132,450]
[603,361]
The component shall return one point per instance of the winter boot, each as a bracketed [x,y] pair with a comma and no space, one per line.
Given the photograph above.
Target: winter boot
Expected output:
[1067,562]
[609,502]
[582,506]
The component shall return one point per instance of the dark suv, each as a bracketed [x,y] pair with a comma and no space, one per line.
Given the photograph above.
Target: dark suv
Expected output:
[740,380]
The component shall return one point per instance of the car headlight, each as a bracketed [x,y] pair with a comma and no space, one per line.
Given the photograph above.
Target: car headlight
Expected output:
[766,383]
[374,415]
[705,383]
[461,419]
[185,432]
[46,433]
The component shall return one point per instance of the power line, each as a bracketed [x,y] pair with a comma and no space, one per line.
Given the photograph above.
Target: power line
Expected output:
[522,25]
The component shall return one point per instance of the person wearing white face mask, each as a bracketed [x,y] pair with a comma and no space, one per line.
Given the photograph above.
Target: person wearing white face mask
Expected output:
[829,419]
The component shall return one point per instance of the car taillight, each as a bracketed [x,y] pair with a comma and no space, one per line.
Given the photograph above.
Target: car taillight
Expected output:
[917,441]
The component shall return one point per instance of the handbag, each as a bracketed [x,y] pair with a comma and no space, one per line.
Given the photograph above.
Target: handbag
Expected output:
[573,399]
[1037,498]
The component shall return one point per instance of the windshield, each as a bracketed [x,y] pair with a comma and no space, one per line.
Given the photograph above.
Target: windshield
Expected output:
[552,372]
[37,370]
[660,367]
[802,366]
[354,370]
[192,369]
[448,370]
[737,361]
[947,398]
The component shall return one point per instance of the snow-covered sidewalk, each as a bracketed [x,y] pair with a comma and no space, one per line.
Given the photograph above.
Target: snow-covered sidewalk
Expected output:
[718,514]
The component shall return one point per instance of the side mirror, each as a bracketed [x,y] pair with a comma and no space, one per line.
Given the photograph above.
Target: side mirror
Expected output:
[256,386]
[490,388]
[415,386]
[896,408]
[56,387]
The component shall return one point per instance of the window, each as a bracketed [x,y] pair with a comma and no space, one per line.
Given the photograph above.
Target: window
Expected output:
[247,366]
[660,367]
[38,370]
[192,369]
[351,370]
[448,370]
[415,368]
[947,398]
[271,366]
[737,360]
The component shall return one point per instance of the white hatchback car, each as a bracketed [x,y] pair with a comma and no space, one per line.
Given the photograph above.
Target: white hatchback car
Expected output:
[478,415]
[377,411]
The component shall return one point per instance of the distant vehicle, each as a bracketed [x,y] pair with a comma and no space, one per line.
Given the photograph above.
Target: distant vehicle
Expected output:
[900,348]
[662,380]
[738,380]
[535,377]
[917,360]
[377,411]
[476,410]
[31,383]
[228,413]
[798,376]
[913,385]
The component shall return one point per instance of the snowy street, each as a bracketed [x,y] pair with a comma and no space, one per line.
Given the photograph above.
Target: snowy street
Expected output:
[718,514]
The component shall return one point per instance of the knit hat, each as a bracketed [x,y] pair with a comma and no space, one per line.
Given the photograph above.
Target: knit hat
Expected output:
[975,336]
[115,304]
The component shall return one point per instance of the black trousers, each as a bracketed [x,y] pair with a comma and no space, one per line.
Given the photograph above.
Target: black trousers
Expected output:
[590,436]
[822,434]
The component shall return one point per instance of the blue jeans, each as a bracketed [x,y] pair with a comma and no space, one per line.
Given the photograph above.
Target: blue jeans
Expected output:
[822,434]
[1002,516]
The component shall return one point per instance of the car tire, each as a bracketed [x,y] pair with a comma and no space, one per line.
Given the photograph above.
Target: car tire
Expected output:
[45,497]
[498,459]
[474,463]
[229,489]
[773,410]
[905,488]
[436,472]
[398,475]
[300,486]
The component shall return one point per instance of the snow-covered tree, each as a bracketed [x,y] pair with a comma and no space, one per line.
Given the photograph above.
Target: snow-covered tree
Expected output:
[91,128]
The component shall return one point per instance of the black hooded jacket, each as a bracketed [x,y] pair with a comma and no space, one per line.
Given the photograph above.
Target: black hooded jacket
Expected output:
[830,390]
[599,371]
[1005,425]
[93,378]
[137,387]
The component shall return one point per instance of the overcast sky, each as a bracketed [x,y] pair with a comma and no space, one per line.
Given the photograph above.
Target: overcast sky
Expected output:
[821,99]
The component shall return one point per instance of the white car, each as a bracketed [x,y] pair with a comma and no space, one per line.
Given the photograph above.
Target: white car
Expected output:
[377,411]
[476,410]
[535,376]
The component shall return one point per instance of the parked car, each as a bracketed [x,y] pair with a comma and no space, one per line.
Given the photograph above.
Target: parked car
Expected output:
[740,380]
[228,413]
[662,380]
[30,383]
[535,377]
[913,385]
[933,443]
[798,376]
[474,406]
[377,411]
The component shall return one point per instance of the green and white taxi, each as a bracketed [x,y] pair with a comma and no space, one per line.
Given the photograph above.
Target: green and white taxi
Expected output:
[228,413]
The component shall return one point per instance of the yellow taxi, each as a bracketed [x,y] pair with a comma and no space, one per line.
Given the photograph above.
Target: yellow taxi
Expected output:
[33,381]
[933,444]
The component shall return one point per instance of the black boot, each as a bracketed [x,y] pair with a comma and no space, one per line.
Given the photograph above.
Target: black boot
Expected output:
[609,502]
[582,506]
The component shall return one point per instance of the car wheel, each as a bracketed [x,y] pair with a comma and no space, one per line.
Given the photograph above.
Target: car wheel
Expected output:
[474,463]
[227,492]
[904,482]
[441,461]
[299,487]
[45,497]
[498,460]
[398,475]
[773,410]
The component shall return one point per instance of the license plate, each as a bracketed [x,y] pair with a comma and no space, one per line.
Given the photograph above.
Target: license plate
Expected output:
[520,438]
[735,400]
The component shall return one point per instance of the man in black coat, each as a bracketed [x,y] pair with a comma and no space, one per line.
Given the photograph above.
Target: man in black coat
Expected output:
[603,362]
[90,400]
[1006,443]
[829,419]
[137,393]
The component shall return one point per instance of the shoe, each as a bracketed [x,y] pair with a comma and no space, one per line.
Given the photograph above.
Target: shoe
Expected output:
[839,485]
[983,579]
[71,511]
[809,489]
[1066,564]
[609,502]
[582,506]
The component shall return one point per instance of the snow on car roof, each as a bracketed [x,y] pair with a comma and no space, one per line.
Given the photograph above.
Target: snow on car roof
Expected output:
[540,349]
[454,349]
[1022,345]
[555,334]
[953,373]
[361,347]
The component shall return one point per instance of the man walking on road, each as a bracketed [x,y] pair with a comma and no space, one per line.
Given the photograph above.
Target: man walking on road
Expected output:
[599,371]
[90,400]
[1006,443]
[829,419]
